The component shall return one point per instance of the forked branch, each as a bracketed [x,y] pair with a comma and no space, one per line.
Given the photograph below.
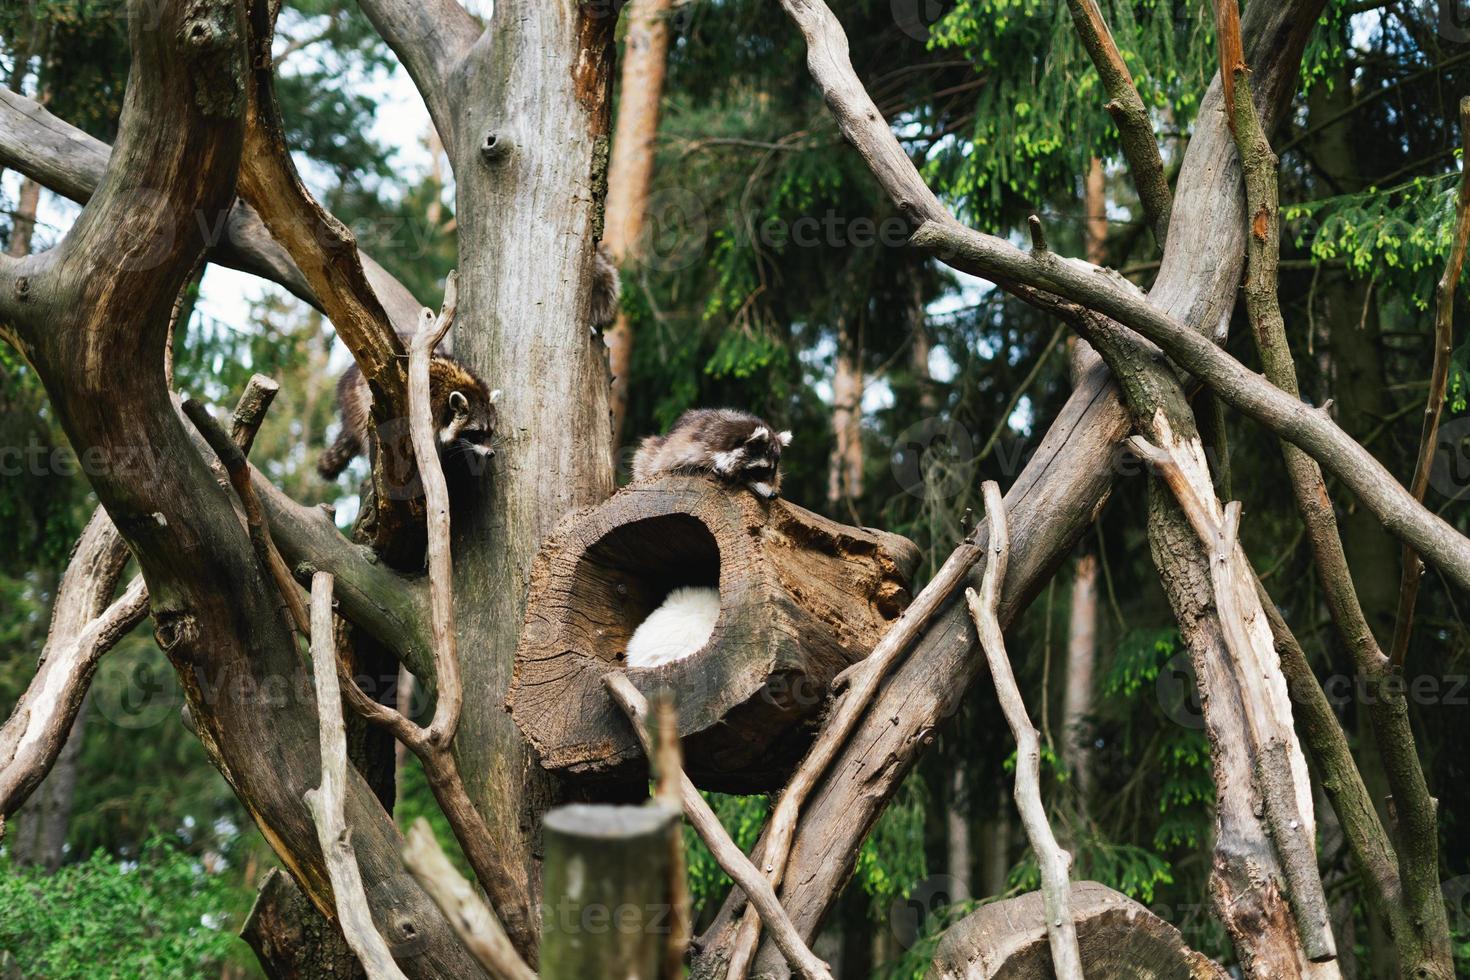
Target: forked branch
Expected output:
[1054,862]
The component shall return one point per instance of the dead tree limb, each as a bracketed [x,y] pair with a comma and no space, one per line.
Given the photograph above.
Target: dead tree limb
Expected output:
[237,470]
[1412,903]
[85,624]
[712,832]
[1054,862]
[862,681]
[1439,373]
[327,801]
[668,770]
[1237,604]
[472,919]
[1135,129]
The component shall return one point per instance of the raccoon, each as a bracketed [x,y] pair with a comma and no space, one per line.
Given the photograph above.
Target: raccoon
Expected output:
[462,407]
[607,289]
[731,444]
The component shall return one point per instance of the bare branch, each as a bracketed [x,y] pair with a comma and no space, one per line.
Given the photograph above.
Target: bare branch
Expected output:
[1054,862]
[321,246]
[71,162]
[473,920]
[328,800]
[1279,788]
[436,492]
[712,832]
[431,38]
[668,767]
[1135,130]
[1444,343]
[40,723]
[238,471]
[862,681]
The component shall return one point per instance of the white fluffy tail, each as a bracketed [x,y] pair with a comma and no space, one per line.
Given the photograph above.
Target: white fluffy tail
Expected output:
[676,629]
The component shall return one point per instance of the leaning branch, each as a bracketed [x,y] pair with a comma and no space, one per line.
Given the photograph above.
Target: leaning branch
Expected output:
[328,801]
[863,680]
[1276,785]
[1444,337]
[1054,862]
[712,832]
[1135,130]
[322,247]
[472,920]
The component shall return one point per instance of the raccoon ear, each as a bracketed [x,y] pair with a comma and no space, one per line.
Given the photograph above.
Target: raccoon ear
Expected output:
[760,434]
[494,396]
[459,403]
[784,437]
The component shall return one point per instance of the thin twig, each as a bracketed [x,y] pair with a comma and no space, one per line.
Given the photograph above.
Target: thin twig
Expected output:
[328,801]
[1444,334]
[472,920]
[668,766]
[1054,862]
[731,859]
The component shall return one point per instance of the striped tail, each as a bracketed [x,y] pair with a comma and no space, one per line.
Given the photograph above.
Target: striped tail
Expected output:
[335,458]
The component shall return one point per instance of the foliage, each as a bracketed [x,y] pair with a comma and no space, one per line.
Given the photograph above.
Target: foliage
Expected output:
[160,916]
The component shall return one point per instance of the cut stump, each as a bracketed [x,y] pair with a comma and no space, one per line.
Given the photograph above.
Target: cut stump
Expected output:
[1118,938]
[801,598]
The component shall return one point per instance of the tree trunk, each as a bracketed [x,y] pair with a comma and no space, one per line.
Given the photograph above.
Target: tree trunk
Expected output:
[531,111]
[1081,662]
[631,172]
[23,229]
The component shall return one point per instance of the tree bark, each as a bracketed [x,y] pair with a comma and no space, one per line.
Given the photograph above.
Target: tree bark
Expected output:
[630,174]
[1081,663]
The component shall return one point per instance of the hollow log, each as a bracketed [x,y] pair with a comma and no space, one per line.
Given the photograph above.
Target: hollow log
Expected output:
[1118,939]
[801,599]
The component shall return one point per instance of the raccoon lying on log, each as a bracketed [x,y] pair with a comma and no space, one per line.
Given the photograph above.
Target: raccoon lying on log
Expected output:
[733,445]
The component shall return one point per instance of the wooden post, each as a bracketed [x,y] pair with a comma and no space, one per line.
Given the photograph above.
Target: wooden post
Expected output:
[607,909]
